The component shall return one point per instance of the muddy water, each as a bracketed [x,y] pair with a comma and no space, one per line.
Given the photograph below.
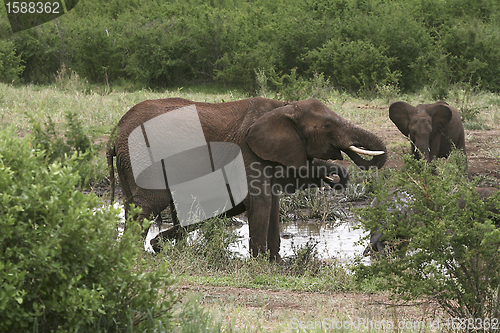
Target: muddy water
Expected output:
[338,240]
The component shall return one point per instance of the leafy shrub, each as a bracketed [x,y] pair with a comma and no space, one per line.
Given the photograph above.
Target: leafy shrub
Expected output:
[61,265]
[293,87]
[354,65]
[451,254]
[10,63]
[96,51]
[304,258]
[473,57]
[355,44]
[59,147]
[38,49]
[213,242]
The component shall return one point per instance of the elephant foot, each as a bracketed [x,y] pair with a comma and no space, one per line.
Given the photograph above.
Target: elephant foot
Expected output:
[276,259]
[156,244]
[174,233]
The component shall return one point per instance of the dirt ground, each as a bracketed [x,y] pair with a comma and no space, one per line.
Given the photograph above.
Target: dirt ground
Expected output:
[483,152]
[285,311]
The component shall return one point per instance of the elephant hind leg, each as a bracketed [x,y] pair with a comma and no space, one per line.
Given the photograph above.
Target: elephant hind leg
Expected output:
[151,203]
[173,213]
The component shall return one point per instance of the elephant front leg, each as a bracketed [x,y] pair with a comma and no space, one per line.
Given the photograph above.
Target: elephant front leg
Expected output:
[259,212]
[273,236]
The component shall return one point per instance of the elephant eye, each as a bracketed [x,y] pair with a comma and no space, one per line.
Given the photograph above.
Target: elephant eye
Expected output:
[328,126]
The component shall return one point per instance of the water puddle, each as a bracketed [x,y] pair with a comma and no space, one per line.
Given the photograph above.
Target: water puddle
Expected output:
[337,240]
[332,241]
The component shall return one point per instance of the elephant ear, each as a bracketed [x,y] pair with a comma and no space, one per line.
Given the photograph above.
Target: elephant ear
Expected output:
[274,137]
[441,115]
[400,114]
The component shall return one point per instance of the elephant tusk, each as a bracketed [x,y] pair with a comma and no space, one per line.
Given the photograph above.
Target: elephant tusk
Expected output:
[333,180]
[366,152]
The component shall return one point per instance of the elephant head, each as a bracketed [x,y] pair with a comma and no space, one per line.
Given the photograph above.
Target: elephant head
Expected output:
[297,132]
[424,125]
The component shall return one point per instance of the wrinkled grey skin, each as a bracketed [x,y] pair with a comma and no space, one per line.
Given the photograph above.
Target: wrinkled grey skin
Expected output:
[269,133]
[432,128]
[377,245]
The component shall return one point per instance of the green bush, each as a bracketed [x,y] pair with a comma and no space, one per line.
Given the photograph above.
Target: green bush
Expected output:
[10,63]
[63,265]
[95,52]
[357,45]
[354,65]
[57,146]
[450,254]
[292,87]
[473,55]
[42,53]
[213,242]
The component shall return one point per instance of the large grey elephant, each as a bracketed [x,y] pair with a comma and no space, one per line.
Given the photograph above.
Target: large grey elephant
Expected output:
[432,128]
[270,134]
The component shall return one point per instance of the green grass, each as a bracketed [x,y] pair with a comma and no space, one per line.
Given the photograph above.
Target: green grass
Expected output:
[100,108]
[98,111]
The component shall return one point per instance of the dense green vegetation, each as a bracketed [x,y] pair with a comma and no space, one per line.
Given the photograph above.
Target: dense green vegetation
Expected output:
[359,45]
[435,246]
[61,266]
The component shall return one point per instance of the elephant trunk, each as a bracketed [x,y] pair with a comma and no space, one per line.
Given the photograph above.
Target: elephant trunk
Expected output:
[421,150]
[360,138]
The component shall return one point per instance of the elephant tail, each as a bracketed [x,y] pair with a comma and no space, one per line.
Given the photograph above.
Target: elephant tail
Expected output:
[110,153]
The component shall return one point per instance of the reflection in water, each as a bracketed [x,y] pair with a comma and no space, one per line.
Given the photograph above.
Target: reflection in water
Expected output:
[338,241]
[333,241]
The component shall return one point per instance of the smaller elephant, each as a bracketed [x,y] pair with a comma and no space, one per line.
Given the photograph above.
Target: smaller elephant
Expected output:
[316,173]
[378,245]
[432,128]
